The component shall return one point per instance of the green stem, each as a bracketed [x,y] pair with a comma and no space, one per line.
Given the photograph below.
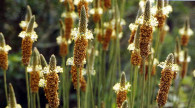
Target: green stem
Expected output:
[134,86]
[63,83]
[149,81]
[143,82]
[27,87]
[192,94]
[38,100]
[5,86]
[78,88]
[34,100]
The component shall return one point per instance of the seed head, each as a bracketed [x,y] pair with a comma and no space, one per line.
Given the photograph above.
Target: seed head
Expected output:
[160,4]
[35,57]
[83,21]
[52,63]
[187,24]
[62,28]
[2,40]
[28,14]
[30,24]
[12,98]
[123,79]
[125,104]
[170,59]
[185,55]
[147,11]
[166,3]
[43,61]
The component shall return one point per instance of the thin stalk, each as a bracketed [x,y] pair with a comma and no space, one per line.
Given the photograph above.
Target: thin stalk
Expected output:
[78,88]
[91,90]
[192,94]
[27,87]
[5,86]
[134,86]
[38,100]
[157,43]
[131,81]
[149,81]
[63,83]
[143,82]
[34,100]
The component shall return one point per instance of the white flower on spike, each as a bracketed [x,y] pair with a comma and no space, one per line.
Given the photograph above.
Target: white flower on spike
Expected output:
[118,87]
[94,10]
[70,61]
[181,57]
[131,47]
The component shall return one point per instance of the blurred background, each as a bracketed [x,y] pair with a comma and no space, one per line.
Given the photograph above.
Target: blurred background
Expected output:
[48,13]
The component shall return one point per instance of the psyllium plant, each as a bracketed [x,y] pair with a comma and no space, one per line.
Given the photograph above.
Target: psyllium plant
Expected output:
[167,75]
[185,33]
[4,60]
[28,37]
[62,41]
[107,36]
[146,30]
[12,98]
[34,70]
[97,11]
[184,59]
[52,80]
[121,90]
[24,24]
[107,4]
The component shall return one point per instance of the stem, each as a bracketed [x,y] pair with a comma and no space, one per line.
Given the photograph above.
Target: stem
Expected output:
[143,81]
[38,100]
[27,87]
[149,81]
[63,82]
[192,94]
[134,86]
[78,88]
[34,100]
[5,86]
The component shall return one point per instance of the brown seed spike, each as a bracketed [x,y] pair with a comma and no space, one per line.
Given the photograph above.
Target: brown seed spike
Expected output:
[147,11]
[3,60]
[80,51]
[121,97]
[62,28]
[26,49]
[30,24]
[51,89]
[34,81]
[68,26]
[52,63]
[136,58]
[165,83]
[83,21]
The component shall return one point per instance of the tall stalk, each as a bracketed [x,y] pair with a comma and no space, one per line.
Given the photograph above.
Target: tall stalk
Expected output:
[63,83]
[78,88]
[134,86]
[143,82]
[38,100]
[149,81]
[5,85]
[27,87]
[192,94]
